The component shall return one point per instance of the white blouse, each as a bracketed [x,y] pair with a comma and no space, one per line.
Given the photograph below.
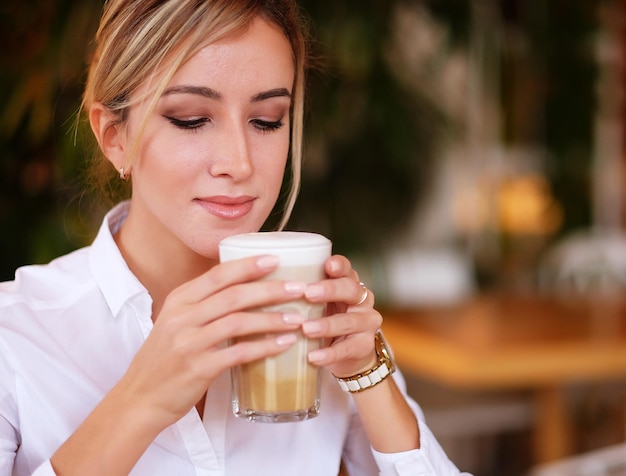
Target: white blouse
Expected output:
[68,331]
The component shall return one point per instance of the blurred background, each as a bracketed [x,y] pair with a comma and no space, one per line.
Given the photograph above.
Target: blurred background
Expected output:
[460,152]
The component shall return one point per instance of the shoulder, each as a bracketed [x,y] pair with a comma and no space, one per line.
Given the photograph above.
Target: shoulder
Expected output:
[47,286]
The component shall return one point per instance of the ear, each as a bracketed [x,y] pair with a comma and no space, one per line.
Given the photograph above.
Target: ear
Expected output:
[109,133]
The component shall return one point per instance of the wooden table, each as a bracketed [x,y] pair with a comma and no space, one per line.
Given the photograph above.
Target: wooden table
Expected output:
[516,342]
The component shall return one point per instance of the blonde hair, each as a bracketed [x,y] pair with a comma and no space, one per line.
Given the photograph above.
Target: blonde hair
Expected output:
[144,42]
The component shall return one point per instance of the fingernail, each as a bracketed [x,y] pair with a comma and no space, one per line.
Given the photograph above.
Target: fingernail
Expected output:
[295,287]
[286,340]
[314,291]
[317,355]
[267,262]
[290,318]
[312,328]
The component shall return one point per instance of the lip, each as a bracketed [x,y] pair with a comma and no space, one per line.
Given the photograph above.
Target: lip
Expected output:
[227,207]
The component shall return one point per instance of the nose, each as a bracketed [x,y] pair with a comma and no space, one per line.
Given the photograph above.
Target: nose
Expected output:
[231,156]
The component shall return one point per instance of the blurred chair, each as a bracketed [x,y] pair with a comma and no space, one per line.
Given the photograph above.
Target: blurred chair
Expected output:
[592,264]
[471,425]
[610,461]
[588,262]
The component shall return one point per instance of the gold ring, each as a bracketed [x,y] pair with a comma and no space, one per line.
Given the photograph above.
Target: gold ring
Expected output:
[365,293]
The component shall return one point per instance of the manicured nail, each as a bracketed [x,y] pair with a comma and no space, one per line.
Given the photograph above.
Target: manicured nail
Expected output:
[314,291]
[267,262]
[286,340]
[290,318]
[317,355]
[312,328]
[295,287]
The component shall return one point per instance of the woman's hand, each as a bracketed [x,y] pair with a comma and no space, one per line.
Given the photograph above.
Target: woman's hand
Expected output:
[350,324]
[186,350]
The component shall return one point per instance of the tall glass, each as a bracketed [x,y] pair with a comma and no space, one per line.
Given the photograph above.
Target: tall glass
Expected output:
[284,387]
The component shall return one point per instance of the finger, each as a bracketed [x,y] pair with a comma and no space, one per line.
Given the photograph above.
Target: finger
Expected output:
[241,297]
[224,275]
[238,325]
[243,352]
[346,324]
[338,266]
[354,349]
[344,290]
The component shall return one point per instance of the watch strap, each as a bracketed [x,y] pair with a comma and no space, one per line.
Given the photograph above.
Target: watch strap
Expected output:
[371,377]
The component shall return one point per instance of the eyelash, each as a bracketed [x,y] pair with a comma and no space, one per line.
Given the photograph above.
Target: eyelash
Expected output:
[267,126]
[193,124]
[190,125]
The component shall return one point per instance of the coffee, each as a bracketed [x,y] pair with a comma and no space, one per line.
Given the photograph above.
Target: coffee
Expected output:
[284,387]
[284,384]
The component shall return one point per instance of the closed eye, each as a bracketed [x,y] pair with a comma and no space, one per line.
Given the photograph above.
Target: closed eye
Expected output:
[187,124]
[267,126]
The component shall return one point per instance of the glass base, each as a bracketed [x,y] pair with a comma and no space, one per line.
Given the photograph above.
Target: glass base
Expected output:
[275,417]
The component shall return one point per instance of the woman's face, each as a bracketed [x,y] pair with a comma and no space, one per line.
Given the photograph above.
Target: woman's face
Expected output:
[213,154]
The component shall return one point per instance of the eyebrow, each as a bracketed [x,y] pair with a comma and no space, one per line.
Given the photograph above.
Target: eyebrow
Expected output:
[197,90]
[272,93]
[213,94]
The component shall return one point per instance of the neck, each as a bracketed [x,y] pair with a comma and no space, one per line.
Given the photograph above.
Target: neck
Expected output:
[160,265]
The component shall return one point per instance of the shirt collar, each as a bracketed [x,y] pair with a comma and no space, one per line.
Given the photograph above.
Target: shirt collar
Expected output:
[113,276]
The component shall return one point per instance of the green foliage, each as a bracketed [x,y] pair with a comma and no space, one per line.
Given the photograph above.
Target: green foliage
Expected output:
[42,62]
[567,43]
[370,143]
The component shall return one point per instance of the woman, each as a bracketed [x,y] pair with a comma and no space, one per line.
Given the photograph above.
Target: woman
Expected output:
[114,358]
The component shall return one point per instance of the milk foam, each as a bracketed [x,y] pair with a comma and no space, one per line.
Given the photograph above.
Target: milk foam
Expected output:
[293,248]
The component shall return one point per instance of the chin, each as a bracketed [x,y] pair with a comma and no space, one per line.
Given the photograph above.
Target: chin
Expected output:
[209,248]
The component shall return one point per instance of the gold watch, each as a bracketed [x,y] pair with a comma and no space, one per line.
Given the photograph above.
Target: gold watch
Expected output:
[383,368]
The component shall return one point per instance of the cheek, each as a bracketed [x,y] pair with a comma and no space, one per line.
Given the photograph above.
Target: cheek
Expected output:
[274,170]
[166,159]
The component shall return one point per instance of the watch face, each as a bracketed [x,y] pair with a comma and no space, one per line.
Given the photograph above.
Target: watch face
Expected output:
[383,351]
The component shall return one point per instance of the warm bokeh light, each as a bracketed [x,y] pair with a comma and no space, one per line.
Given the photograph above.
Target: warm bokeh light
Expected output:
[520,205]
[525,206]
